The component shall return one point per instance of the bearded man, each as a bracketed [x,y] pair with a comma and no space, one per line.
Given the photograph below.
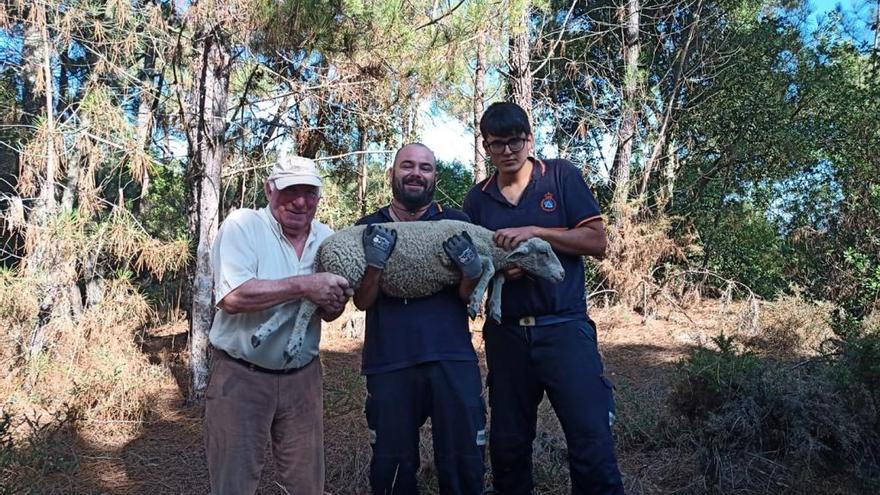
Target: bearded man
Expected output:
[418,357]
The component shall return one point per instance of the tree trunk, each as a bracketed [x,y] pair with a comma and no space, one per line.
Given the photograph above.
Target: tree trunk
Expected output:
[44,262]
[144,129]
[362,173]
[211,95]
[519,81]
[71,181]
[626,131]
[479,96]
[663,131]
[876,54]
[31,73]
[669,174]
[74,163]
[47,193]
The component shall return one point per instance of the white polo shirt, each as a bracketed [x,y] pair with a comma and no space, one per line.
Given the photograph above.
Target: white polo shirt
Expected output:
[250,244]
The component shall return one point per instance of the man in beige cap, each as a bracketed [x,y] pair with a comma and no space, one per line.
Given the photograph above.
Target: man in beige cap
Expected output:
[263,263]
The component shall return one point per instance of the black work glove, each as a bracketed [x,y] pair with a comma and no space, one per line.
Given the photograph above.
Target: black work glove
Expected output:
[461,250]
[378,243]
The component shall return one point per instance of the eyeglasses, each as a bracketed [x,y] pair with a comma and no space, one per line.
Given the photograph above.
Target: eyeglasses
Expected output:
[515,144]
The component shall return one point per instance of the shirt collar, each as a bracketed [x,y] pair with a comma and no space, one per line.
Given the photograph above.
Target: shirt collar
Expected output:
[433,210]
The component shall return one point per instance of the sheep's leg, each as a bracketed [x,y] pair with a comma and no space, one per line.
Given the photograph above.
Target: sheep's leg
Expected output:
[271,325]
[480,289]
[494,303]
[306,309]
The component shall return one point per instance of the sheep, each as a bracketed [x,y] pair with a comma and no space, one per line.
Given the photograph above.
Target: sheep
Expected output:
[418,267]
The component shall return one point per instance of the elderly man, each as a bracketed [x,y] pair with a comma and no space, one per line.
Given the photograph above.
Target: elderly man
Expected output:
[263,259]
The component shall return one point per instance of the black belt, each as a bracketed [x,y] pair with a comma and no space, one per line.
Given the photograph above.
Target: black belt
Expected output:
[253,367]
[539,321]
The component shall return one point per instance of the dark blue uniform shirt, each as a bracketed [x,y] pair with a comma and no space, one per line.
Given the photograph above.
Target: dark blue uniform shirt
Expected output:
[404,332]
[556,197]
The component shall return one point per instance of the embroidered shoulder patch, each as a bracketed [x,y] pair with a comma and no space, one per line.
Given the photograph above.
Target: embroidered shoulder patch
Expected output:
[548,203]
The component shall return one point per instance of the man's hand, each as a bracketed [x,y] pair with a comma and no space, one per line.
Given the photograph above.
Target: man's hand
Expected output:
[378,244]
[329,291]
[510,238]
[513,273]
[460,249]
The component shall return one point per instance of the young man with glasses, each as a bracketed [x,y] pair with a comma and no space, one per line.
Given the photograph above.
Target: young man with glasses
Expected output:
[545,342]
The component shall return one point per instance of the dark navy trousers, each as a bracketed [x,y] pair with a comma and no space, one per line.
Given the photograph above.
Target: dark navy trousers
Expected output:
[562,360]
[398,404]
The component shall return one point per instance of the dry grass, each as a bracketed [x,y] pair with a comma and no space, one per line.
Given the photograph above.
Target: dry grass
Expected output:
[789,328]
[92,373]
[160,449]
[793,328]
[635,250]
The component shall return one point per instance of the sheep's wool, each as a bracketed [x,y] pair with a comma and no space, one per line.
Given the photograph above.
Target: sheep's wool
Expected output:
[406,272]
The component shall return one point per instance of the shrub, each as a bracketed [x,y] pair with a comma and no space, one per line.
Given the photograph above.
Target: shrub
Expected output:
[763,423]
[792,328]
[708,377]
[742,244]
[93,364]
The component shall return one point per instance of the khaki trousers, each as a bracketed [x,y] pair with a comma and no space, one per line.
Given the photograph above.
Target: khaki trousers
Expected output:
[245,409]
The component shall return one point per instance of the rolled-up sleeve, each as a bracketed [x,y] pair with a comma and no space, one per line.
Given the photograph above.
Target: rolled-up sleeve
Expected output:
[233,256]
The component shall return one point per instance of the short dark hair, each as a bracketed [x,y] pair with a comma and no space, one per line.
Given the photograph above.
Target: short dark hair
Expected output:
[504,118]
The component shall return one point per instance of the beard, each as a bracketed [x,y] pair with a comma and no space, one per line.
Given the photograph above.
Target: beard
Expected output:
[413,200]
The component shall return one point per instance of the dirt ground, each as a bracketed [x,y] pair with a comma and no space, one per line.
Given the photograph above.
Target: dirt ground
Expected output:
[164,454]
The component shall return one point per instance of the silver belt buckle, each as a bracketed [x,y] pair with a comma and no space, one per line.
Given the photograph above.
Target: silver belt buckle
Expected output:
[527,321]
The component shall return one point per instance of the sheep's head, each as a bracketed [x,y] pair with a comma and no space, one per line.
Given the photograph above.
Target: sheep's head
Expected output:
[537,258]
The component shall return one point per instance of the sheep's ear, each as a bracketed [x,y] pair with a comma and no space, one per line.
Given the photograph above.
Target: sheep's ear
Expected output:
[524,248]
[520,252]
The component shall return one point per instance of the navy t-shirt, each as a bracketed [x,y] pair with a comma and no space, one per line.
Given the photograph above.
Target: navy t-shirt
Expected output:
[556,197]
[405,332]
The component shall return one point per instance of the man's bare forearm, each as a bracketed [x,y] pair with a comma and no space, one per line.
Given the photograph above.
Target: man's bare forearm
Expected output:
[366,294]
[587,240]
[258,294]
[466,288]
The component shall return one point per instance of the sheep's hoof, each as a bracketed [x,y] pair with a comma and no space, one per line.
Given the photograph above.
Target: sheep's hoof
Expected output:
[495,315]
[256,341]
[473,309]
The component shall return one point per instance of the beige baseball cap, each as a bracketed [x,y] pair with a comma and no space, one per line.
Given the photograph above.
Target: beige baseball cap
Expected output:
[290,170]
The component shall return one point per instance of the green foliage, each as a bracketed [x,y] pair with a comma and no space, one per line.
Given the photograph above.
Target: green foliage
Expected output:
[866,268]
[710,377]
[297,24]
[740,243]
[160,211]
[339,207]
[454,180]
[857,347]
